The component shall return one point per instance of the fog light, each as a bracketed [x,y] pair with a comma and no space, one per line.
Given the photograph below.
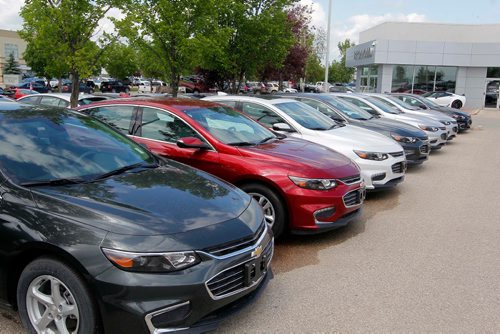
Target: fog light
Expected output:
[168,317]
[324,215]
[378,177]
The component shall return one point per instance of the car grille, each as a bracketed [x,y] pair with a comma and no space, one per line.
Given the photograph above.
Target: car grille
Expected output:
[397,154]
[444,136]
[353,198]
[423,138]
[455,129]
[233,280]
[234,246]
[424,149]
[398,168]
[442,128]
[350,179]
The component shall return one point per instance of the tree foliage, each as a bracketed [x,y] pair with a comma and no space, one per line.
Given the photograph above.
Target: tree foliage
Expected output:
[60,39]
[120,60]
[338,71]
[12,66]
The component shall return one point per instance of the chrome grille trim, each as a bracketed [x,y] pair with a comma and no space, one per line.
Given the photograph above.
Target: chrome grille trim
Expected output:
[350,179]
[397,154]
[354,198]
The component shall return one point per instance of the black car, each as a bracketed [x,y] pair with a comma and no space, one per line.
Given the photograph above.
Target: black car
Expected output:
[114,87]
[33,86]
[99,235]
[85,87]
[464,120]
[413,140]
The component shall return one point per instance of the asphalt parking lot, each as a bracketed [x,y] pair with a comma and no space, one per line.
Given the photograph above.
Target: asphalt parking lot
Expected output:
[423,257]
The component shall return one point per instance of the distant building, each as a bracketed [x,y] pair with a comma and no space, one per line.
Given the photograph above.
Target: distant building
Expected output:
[11,42]
[419,57]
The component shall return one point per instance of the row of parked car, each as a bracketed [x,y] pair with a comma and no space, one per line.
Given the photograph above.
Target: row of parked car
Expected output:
[107,227]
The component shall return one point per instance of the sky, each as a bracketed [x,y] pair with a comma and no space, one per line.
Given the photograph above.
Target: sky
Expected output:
[349,17]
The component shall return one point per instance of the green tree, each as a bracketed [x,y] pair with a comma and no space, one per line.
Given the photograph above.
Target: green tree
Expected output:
[120,60]
[338,71]
[61,38]
[11,67]
[168,33]
[315,71]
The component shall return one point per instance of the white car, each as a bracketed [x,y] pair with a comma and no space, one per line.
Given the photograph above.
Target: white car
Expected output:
[446,99]
[59,99]
[437,133]
[289,90]
[381,159]
[450,123]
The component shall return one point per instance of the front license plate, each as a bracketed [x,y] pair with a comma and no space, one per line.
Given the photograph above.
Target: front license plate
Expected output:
[255,269]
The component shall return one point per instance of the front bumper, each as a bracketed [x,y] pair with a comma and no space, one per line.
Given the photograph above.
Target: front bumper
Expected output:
[379,174]
[416,153]
[437,139]
[316,211]
[181,301]
[464,125]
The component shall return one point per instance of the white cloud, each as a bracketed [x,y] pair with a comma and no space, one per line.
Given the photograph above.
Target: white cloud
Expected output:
[9,15]
[318,13]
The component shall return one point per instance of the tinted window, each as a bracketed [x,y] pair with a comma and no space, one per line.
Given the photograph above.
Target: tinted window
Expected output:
[30,100]
[229,126]
[50,101]
[116,116]
[164,126]
[348,109]
[57,144]
[323,108]
[306,116]
[261,114]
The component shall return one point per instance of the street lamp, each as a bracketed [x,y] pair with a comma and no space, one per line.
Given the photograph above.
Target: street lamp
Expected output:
[326,89]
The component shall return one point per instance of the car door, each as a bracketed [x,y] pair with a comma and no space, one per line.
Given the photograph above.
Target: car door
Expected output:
[160,130]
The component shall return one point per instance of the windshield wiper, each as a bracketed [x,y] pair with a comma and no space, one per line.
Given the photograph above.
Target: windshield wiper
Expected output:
[53,182]
[266,139]
[241,143]
[125,169]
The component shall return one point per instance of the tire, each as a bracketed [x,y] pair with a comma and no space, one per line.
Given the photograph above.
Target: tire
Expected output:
[72,295]
[263,195]
[196,92]
[457,104]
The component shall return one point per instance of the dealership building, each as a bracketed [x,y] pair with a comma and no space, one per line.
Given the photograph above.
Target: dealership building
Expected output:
[421,57]
[11,43]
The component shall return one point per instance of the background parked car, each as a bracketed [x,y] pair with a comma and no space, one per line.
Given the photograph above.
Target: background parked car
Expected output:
[60,99]
[446,99]
[115,86]
[19,92]
[32,86]
[85,87]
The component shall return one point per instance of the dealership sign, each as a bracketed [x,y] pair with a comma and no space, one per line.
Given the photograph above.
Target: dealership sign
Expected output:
[363,53]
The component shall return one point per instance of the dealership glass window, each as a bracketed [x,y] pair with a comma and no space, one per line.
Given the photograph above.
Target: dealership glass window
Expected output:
[493,72]
[402,78]
[446,78]
[368,79]
[424,79]
[11,49]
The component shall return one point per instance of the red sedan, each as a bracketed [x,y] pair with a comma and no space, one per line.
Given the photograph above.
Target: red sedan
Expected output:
[301,186]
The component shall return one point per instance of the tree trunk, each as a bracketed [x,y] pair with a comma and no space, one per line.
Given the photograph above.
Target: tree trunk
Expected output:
[175,83]
[75,88]
[59,85]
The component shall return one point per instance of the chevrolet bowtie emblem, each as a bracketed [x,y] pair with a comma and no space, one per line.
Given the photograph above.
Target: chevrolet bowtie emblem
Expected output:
[257,251]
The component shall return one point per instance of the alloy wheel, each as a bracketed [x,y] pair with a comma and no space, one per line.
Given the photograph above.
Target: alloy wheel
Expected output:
[267,206]
[51,306]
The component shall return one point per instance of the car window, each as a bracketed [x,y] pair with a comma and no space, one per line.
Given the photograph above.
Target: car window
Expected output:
[261,114]
[306,116]
[359,103]
[348,109]
[30,100]
[323,108]
[412,101]
[231,104]
[50,101]
[117,116]
[89,100]
[160,125]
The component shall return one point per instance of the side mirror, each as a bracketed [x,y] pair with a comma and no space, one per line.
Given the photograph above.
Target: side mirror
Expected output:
[191,142]
[282,127]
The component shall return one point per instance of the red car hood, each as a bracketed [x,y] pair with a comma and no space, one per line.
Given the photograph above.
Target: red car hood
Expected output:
[311,159]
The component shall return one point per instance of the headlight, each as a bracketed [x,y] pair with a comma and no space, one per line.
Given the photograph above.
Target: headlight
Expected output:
[314,184]
[151,262]
[457,116]
[445,122]
[428,128]
[403,139]
[371,155]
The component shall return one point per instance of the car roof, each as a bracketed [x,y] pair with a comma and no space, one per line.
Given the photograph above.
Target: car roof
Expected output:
[270,99]
[65,96]
[175,103]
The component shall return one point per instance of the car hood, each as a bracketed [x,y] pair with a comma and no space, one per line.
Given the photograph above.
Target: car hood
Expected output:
[165,200]
[437,116]
[452,111]
[303,156]
[418,119]
[350,137]
[389,125]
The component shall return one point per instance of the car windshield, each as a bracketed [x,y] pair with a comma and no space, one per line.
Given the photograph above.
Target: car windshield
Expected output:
[307,116]
[43,145]
[348,109]
[383,105]
[428,102]
[229,126]
[429,94]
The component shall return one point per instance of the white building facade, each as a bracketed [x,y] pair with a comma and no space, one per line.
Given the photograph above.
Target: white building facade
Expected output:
[421,57]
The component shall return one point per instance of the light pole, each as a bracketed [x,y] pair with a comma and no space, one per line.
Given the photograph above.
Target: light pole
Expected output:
[327,60]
